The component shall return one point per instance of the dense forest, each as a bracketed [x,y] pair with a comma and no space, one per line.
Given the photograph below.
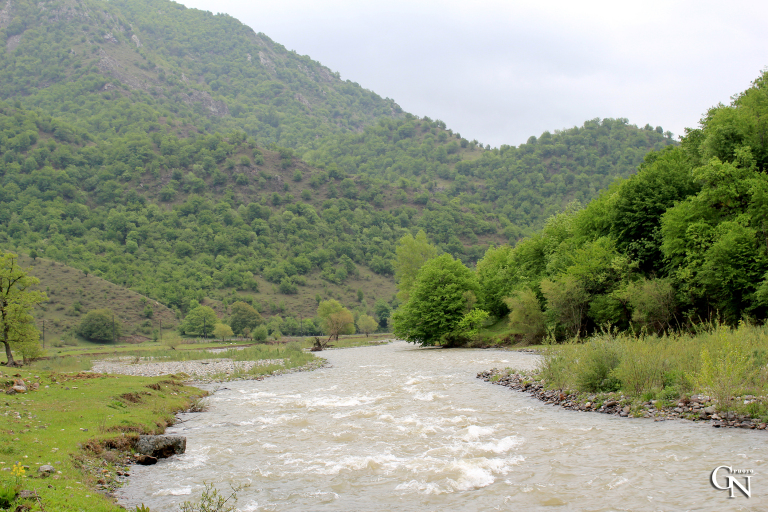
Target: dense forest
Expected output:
[186,157]
[682,242]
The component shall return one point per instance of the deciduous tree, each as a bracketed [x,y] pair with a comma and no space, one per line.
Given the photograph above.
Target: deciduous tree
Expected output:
[412,253]
[16,302]
[367,324]
[335,319]
[442,295]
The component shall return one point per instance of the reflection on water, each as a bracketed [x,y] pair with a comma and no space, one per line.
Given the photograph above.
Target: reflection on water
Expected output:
[400,427]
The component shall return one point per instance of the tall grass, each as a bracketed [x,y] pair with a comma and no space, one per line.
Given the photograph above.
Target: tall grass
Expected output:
[720,362]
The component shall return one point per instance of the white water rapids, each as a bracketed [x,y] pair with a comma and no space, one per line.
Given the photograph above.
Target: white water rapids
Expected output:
[400,428]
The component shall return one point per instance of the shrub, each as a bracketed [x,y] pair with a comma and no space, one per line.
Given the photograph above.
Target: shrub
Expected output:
[260,333]
[100,325]
[598,359]
[526,316]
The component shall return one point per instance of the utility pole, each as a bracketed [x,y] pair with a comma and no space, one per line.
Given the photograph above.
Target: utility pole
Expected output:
[205,332]
[43,333]
[113,328]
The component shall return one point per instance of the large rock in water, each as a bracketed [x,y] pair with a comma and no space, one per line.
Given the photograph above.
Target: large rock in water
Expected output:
[161,447]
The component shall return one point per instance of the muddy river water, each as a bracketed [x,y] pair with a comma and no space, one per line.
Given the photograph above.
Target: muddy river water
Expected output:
[399,428]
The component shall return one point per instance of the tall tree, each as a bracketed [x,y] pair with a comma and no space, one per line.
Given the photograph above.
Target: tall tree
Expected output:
[199,322]
[244,316]
[367,324]
[16,302]
[440,303]
[335,318]
[412,253]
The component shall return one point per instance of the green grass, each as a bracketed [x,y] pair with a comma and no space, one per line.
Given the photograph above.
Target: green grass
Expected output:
[720,362]
[78,423]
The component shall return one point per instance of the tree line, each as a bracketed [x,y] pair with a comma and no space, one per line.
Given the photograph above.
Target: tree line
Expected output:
[684,241]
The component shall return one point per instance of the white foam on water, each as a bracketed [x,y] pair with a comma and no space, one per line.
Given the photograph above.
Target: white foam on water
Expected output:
[475,432]
[420,487]
[472,477]
[502,446]
[358,463]
[338,401]
[183,491]
[251,506]
[274,420]
[425,397]
[617,482]
[191,459]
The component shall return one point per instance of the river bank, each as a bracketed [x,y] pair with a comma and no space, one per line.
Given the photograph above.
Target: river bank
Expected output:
[68,438]
[699,408]
[69,434]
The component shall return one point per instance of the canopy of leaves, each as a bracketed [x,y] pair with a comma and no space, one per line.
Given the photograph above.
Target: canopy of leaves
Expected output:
[199,322]
[100,325]
[681,241]
[441,297]
[17,328]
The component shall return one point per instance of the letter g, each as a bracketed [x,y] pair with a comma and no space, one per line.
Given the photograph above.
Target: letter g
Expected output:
[713,478]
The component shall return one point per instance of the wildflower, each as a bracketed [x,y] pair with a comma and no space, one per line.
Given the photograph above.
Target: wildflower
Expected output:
[18,470]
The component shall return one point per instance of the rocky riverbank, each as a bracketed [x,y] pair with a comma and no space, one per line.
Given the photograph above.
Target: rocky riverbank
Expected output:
[693,408]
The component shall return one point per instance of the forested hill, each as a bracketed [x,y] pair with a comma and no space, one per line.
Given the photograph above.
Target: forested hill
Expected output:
[125,65]
[139,142]
[682,242]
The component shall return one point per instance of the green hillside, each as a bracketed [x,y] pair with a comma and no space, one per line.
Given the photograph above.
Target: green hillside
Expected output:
[156,155]
[71,293]
[681,243]
[127,66]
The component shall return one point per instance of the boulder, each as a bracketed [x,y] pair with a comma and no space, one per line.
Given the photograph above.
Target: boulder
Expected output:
[46,470]
[161,447]
[146,460]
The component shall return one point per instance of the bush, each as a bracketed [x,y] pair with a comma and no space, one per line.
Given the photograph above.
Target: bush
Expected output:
[100,325]
[260,333]
[525,315]
[595,369]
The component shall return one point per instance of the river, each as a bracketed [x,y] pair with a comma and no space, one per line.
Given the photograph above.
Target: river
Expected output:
[400,428]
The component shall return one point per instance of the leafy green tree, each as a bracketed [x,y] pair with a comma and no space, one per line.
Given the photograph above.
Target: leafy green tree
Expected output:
[635,213]
[367,324]
[200,321]
[260,333]
[222,331]
[244,316]
[100,325]
[526,316]
[567,303]
[17,328]
[335,319]
[653,303]
[494,275]
[382,311]
[412,253]
[441,296]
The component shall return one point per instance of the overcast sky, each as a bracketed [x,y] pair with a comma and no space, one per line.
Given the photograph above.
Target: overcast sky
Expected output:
[501,71]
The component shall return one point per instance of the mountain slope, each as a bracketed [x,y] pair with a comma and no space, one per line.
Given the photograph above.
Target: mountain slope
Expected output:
[154,154]
[115,66]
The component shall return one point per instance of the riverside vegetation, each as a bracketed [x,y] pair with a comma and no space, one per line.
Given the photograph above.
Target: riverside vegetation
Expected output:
[718,374]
